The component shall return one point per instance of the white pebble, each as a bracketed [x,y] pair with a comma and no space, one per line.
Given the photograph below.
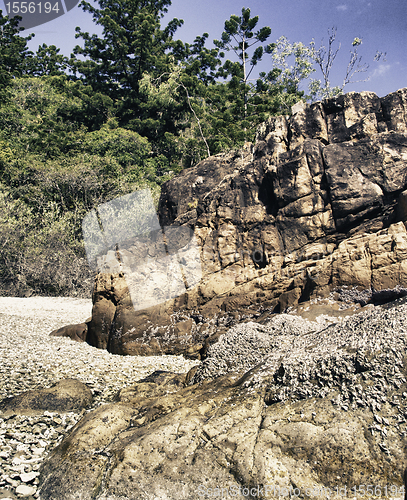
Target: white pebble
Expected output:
[25,490]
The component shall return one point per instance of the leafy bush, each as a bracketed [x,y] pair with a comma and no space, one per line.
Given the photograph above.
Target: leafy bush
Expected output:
[39,254]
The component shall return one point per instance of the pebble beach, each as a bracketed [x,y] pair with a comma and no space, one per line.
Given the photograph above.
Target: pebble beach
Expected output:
[31,359]
[356,361]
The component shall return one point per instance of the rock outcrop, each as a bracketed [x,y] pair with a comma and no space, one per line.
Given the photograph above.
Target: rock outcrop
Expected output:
[316,204]
[321,411]
[280,406]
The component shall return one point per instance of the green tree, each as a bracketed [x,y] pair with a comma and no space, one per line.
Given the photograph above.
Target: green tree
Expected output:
[14,52]
[49,116]
[296,63]
[53,170]
[292,63]
[228,113]
[239,36]
[199,62]
[132,44]
[191,82]
[47,61]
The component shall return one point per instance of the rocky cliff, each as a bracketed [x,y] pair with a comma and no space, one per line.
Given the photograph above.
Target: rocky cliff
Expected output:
[316,204]
[281,406]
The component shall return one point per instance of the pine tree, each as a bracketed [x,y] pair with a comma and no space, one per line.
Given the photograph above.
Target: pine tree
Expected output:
[132,45]
[239,36]
[14,52]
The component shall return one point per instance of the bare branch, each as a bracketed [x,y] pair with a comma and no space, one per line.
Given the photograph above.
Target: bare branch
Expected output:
[197,119]
[326,57]
[354,66]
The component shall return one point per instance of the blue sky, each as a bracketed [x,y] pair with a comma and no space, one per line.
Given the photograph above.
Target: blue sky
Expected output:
[381,24]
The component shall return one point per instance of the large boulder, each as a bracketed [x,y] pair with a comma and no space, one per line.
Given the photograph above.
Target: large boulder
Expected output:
[323,408]
[317,203]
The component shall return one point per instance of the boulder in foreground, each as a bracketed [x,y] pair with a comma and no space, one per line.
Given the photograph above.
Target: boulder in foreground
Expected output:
[324,409]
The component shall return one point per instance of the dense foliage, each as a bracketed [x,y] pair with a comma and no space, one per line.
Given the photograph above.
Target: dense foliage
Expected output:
[56,163]
[128,110]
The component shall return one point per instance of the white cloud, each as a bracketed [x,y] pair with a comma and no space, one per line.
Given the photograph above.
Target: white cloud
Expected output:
[342,8]
[381,70]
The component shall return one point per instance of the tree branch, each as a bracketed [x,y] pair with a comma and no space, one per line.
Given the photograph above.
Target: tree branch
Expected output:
[197,119]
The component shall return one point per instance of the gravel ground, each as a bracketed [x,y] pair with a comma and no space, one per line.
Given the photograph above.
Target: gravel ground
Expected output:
[30,359]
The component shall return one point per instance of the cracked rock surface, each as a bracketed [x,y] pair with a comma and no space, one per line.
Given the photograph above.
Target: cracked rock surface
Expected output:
[318,202]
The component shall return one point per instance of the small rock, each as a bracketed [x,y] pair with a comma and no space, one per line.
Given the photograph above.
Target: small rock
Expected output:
[37,451]
[11,482]
[28,477]
[25,491]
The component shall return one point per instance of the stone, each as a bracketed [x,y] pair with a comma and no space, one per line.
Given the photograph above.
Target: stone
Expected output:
[208,175]
[25,491]
[308,121]
[352,174]
[29,476]
[272,136]
[314,408]
[402,206]
[394,108]
[103,309]
[74,332]
[67,395]
[155,385]
[345,114]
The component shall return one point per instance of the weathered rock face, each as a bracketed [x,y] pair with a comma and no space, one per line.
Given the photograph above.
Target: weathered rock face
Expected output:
[318,202]
[325,409]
